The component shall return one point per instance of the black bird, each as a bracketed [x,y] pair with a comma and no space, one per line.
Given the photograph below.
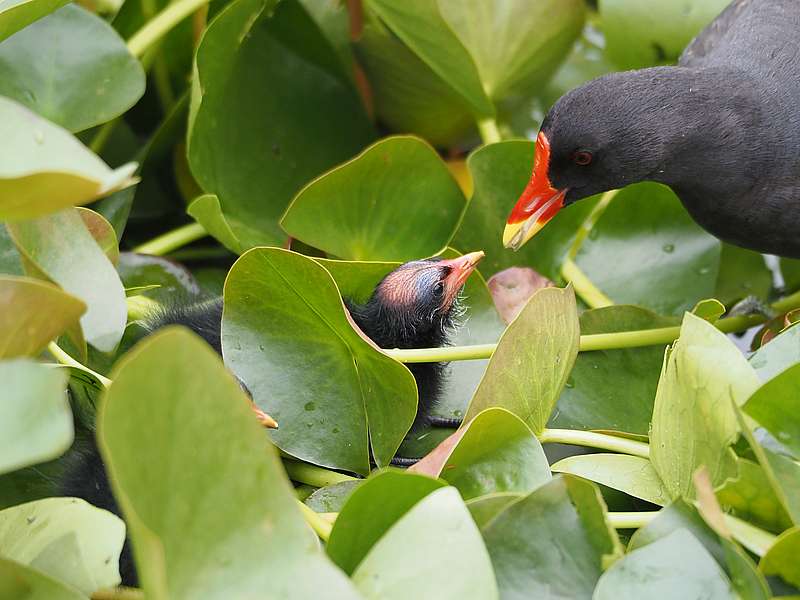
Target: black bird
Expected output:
[722,129]
[414,306]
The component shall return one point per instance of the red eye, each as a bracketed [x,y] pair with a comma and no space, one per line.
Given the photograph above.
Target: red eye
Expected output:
[582,158]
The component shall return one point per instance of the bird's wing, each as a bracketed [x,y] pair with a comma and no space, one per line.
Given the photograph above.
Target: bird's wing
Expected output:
[701,46]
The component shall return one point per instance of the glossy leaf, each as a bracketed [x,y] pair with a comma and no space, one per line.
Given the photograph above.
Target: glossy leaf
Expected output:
[774,406]
[71,68]
[17,14]
[226,229]
[446,540]
[173,281]
[35,420]
[372,509]
[781,559]
[23,302]
[326,386]
[65,538]
[485,508]
[742,273]
[284,72]
[370,209]
[172,489]
[47,168]
[552,543]
[778,355]
[533,359]
[693,419]
[332,498]
[60,247]
[630,474]
[19,581]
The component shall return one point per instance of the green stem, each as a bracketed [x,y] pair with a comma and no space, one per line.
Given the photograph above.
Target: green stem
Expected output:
[584,288]
[120,593]
[65,359]
[589,222]
[156,28]
[753,538]
[631,520]
[309,474]
[490,134]
[103,134]
[593,439]
[320,526]
[172,240]
[160,69]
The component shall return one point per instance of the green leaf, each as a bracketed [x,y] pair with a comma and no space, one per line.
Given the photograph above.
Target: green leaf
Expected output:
[229,231]
[781,559]
[23,583]
[677,566]
[60,247]
[630,474]
[533,359]
[170,278]
[17,14]
[419,24]
[500,172]
[693,420]
[332,498]
[750,496]
[65,538]
[333,394]
[435,537]
[173,489]
[268,84]
[10,260]
[497,452]
[370,209]
[516,46]
[742,273]
[774,406]
[613,389]
[23,303]
[778,355]
[102,232]
[35,420]
[47,169]
[485,508]
[371,510]
[639,35]
[646,250]
[71,68]
[570,514]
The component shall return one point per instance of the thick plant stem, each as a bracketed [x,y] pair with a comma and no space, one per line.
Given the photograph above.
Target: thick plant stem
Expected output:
[65,359]
[103,134]
[158,27]
[584,288]
[595,440]
[630,520]
[320,526]
[490,134]
[172,240]
[313,475]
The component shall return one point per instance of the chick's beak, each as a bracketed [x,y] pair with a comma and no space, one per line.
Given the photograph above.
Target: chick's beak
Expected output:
[460,269]
[539,202]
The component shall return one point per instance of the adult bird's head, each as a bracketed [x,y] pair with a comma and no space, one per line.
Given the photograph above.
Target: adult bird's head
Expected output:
[415,305]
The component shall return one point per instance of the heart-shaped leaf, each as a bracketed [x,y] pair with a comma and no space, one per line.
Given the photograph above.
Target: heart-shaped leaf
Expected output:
[36,423]
[372,209]
[333,393]
[278,93]
[172,489]
[17,14]
[71,68]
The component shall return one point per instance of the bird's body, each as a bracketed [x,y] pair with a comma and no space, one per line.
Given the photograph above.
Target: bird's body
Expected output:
[722,129]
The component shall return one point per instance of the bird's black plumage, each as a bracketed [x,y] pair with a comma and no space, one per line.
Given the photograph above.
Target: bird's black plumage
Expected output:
[722,128]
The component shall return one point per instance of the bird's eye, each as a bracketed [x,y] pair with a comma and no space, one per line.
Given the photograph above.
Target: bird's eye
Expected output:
[438,289]
[582,157]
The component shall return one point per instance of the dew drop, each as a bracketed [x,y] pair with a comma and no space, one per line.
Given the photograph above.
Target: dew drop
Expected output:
[703,271]
[668,248]
[335,430]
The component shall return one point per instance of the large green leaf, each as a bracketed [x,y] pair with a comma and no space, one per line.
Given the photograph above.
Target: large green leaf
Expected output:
[693,419]
[646,250]
[778,355]
[33,313]
[24,583]
[781,559]
[500,172]
[750,496]
[232,233]
[742,273]
[774,405]
[370,512]
[268,85]
[420,25]
[17,14]
[286,335]
[46,169]
[640,35]
[35,420]
[65,538]
[552,543]
[533,359]
[71,68]
[435,537]
[60,247]
[214,519]
[370,209]
[676,566]
[613,389]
